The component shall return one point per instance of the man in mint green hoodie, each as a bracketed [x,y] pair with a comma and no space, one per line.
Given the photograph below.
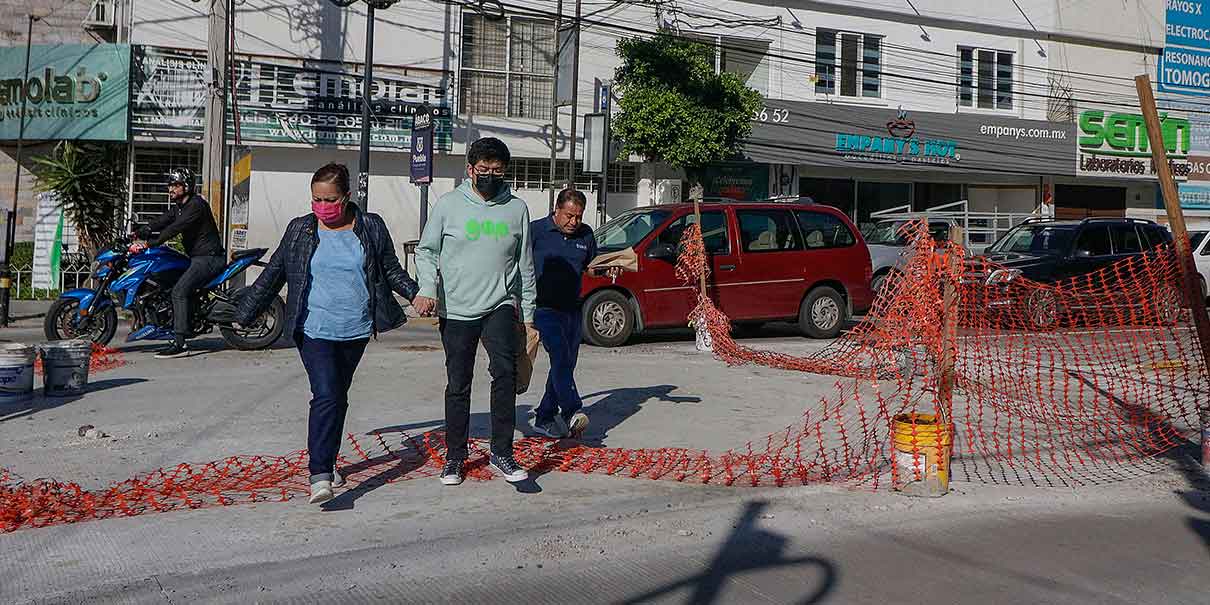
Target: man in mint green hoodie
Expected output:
[476,270]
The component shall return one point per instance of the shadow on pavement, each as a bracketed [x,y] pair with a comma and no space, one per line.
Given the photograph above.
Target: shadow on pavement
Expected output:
[1185,458]
[748,548]
[42,404]
[618,405]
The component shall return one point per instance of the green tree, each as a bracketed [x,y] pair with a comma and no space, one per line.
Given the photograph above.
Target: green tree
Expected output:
[89,183]
[675,109]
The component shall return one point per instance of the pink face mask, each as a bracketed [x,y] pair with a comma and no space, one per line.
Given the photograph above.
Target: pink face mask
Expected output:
[329,214]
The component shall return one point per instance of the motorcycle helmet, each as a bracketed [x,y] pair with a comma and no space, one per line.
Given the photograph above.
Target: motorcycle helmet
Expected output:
[183,176]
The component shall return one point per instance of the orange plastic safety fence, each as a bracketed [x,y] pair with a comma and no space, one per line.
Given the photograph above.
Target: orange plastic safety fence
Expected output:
[1079,382]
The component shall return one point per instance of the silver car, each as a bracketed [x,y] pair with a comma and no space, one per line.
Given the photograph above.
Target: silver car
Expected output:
[888,246]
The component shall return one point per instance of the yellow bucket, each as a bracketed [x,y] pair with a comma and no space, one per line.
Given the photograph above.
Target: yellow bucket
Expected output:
[922,455]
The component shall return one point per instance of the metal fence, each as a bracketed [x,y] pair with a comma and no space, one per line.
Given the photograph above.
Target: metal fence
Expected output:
[979,229]
[73,273]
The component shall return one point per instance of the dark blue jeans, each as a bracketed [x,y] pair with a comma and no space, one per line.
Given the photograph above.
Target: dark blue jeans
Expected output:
[330,366]
[561,333]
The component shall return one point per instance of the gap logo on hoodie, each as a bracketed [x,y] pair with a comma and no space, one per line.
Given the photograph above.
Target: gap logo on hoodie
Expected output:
[476,229]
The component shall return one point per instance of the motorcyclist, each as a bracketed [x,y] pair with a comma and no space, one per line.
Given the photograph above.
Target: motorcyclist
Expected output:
[188,216]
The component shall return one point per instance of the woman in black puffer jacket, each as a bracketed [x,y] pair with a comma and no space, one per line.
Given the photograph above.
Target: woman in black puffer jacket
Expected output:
[341,269]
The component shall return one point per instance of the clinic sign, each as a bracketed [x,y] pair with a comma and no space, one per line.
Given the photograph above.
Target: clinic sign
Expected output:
[285,101]
[72,92]
[1115,144]
[1184,66]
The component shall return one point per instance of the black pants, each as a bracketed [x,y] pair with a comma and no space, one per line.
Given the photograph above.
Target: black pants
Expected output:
[201,270]
[498,331]
[330,366]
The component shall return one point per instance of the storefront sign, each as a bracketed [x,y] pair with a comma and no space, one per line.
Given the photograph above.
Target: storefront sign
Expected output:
[422,149]
[1185,64]
[839,135]
[74,92]
[1116,145]
[280,101]
[743,182]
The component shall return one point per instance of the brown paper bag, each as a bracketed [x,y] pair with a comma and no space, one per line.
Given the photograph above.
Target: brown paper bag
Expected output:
[526,355]
[626,260]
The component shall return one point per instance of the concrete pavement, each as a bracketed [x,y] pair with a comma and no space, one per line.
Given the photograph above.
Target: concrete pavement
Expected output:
[573,538]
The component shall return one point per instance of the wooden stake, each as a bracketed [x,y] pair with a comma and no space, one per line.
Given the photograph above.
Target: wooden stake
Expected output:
[949,332]
[1176,221]
[697,215]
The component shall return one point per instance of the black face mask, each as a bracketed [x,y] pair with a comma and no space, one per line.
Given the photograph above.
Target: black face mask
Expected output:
[489,185]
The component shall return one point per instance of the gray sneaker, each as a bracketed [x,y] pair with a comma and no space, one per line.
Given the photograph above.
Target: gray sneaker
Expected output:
[577,425]
[338,480]
[552,428]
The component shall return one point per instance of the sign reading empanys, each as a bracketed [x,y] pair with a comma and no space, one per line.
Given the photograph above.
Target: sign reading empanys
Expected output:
[73,92]
[1116,145]
[860,138]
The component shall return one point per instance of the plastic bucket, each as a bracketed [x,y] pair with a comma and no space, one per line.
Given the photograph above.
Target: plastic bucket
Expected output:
[922,455]
[16,372]
[65,367]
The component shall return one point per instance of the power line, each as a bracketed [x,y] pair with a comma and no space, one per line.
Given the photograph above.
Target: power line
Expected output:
[641,32]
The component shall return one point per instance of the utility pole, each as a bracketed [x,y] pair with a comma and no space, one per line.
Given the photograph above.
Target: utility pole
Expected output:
[554,109]
[215,136]
[367,85]
[10,224]
[1176,221]
[575,100]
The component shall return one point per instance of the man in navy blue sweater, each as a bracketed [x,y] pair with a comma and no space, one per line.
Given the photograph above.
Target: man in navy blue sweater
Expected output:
[562,248]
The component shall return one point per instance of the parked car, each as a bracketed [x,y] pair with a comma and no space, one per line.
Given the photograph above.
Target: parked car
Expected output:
[769,261]
[887,245]
[1049,251]
[1201,257]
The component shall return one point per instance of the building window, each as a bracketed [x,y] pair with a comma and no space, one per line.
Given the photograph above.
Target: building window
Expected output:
[529,174]
[985,78]
[859,70]
[748,59]
[507,66]
[149,191]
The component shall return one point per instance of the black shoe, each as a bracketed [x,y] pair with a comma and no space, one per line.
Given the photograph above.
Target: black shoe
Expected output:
[454,471]
[507,466]
[174,351]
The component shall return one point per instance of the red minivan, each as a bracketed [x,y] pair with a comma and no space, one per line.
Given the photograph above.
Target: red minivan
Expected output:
[770,261]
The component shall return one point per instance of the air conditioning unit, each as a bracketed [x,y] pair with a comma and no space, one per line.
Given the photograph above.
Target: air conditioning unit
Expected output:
[668,191]
[102,15]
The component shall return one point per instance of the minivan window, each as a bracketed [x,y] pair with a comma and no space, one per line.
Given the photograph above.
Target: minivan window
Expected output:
[823,230]
[714,232]
[768,231]
[628,229]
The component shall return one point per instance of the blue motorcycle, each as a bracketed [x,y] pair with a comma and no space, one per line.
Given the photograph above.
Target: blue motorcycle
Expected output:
[141,282]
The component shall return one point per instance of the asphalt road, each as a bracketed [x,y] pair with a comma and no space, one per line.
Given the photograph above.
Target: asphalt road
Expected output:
[564,537]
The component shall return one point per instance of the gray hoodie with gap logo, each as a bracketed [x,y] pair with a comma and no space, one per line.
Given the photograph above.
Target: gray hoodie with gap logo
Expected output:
[474,255]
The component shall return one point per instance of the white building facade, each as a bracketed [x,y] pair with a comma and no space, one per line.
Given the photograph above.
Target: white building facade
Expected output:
[869,107]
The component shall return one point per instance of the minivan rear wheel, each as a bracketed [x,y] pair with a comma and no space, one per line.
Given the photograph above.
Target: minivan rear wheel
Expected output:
[608,319]
[823,313]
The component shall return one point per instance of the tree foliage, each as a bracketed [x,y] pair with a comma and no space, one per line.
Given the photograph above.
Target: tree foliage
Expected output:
[89,182]
[674,108]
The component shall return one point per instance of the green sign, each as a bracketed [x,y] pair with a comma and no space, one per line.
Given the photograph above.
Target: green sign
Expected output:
[742,182]
[1116,145]
[73,92]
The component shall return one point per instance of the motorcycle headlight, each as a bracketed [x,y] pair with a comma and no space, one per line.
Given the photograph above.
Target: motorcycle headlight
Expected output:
[1003,276]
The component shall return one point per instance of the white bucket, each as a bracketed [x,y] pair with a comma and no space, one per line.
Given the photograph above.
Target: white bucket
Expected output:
[16,372]
[65,367]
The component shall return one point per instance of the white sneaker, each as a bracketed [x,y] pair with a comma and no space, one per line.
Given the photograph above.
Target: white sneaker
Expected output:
[321,491]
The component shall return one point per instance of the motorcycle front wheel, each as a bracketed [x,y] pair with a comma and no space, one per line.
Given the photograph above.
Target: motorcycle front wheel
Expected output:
[61,323]
[262,333]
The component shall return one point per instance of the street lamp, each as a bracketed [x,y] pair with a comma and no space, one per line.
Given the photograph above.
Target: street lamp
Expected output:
[363,179]
[10,226]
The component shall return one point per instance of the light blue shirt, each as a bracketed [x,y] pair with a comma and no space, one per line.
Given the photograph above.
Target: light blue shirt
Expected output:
[338,303]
